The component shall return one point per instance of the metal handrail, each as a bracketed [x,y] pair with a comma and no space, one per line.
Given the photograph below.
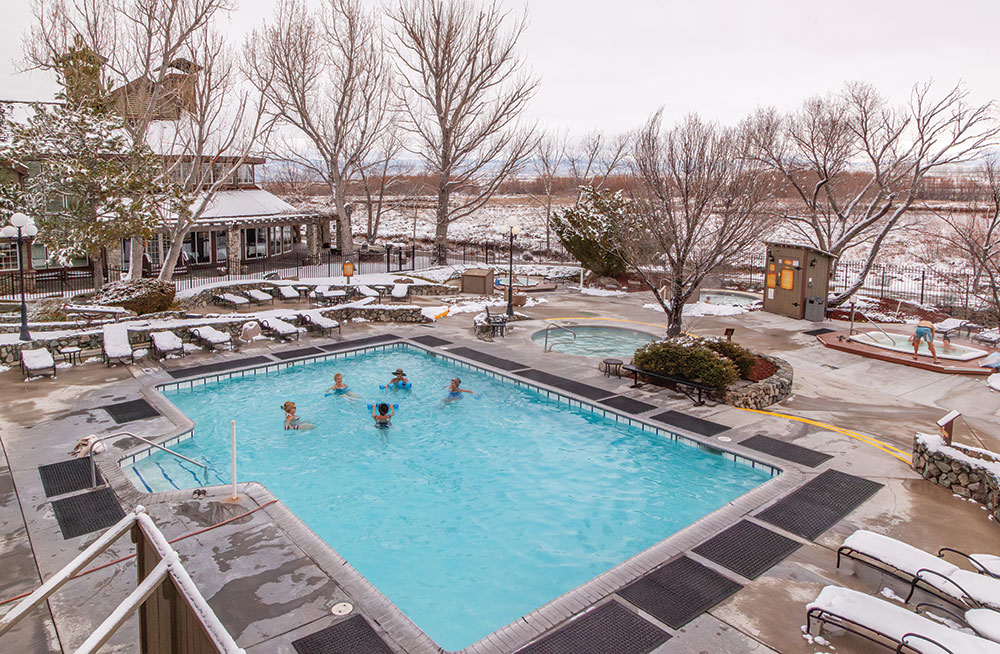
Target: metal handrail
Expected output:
[875,325]
[548,328]
[90,453]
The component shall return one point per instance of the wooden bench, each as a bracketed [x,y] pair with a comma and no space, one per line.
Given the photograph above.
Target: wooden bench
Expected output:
[695,390]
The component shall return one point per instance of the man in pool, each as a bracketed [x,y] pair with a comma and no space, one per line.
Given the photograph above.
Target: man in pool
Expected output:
[398,379]
[455,391]
[924,332]
[340,388]
[292,421]
[382,413]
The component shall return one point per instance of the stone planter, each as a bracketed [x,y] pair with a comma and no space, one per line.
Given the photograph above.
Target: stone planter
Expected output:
[763,393]
[967,472]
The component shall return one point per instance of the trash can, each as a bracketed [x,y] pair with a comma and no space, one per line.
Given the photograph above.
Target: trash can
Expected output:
[815,309]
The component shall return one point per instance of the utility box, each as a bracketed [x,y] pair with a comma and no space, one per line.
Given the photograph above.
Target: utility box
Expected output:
[477,280]
[797,280]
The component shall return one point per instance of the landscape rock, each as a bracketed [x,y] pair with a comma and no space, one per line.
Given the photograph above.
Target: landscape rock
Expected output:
[139,295]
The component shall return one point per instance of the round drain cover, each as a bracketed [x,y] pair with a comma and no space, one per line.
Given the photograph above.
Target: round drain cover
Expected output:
[724,439]
[342,608]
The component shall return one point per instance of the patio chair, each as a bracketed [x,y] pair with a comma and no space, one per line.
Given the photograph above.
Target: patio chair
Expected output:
[367,291]
[115,347]
[320,295]
[953,326]
[400,292]
[212,338]
[497,323]
[37,362]
[166,343]
[923,570]
[230,300]
[288,294]
[315,321]
[890,625]
[989,337]
[260,297]
[277,327]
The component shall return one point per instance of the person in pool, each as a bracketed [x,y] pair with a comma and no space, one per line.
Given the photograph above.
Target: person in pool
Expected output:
[382,413]
[924,332]
[398,378]
[292,421]
[340,388]
[455,390]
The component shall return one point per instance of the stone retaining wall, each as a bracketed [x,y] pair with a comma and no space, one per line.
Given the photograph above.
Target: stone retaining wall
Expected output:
[763,393]
[962,470]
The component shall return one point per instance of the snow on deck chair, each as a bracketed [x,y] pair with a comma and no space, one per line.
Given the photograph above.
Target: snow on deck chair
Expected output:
[922,569]
[212,337]
[890,625]
[115,347]
[278,327]
[319,294]
[37,362]
[260,297]
[987,336]
[165,343]
[229,299]
[316,321]
[288,293]
[367,291]
[400,291]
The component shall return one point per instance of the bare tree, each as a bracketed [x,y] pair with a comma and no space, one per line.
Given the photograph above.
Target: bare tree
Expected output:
[462,88]
[550,155]
[381,181]
[698,203]
[855,163]
[325,75]
[141,43]
[595,158]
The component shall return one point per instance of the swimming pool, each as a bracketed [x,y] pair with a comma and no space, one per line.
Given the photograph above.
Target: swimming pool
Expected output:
[465,515]
[595,341]
[901,343]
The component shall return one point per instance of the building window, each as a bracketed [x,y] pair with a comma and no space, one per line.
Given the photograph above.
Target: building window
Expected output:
[197,247]
[221,247]
[256,242]
[275,241]
[244,174]
[8,255]
[286,239]
[42,259]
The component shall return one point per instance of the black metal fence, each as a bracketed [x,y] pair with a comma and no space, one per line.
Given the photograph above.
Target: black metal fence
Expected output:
[46,283]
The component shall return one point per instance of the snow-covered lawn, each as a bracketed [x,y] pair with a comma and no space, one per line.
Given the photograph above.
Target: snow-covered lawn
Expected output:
[442,274]
[702,309]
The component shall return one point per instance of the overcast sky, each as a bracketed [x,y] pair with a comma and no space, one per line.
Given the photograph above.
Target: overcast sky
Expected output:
[609,64]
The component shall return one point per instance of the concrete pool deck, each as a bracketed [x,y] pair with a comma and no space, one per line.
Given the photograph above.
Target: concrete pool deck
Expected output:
[269,590]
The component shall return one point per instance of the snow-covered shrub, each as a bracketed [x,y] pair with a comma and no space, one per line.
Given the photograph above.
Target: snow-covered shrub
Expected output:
[688,358]
[590,231]
[139,295]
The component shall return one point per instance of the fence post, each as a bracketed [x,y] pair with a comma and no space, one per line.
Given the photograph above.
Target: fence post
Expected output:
[923,278]
[881,292]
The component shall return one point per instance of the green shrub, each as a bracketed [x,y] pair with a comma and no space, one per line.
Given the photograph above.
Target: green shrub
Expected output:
[744,359]
[590,230]
[688,358]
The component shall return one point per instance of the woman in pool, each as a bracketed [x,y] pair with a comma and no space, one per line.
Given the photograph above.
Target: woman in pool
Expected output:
[455,391]
[292,421]
[398,379]
[924,332]
[382,413]
[340,388]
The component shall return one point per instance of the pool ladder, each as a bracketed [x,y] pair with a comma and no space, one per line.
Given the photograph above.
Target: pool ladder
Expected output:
[550,327]
[91,453]
[873,323]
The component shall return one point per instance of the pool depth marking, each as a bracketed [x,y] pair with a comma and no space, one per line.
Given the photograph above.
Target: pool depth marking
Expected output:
[871,440]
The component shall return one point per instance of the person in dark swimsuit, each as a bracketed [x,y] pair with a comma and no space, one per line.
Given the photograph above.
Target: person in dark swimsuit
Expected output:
[382,413]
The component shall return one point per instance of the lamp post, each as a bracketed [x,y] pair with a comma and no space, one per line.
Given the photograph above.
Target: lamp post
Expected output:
[514,229]
[21,227]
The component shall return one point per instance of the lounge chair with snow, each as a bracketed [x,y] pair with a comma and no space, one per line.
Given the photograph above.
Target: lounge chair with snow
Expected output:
[37,362]
[953,327]
[288,294]
[231,300]
[278,327]
[315,321]
[258,296]
[212,338]
[116,347]
[367,291]
[923,570]
[987,337]
[166,343]
[318,294]
[890,625]
[400,292]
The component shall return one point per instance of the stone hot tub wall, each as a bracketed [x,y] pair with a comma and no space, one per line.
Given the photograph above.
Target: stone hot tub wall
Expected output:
[764,393]
[965,471]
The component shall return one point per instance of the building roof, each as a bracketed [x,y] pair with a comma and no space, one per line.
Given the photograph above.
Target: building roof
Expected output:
[249,206]
[806,246]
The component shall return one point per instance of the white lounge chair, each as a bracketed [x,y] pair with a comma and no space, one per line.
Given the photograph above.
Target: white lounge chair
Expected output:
[229,299]
[288,293]
[316,321]
[116,348]
[212,338]
[260,297]
[278,327]
[166,343]
[367,291]
[37,362]
[926,571]
[891,625]
[988,337]
[400,291]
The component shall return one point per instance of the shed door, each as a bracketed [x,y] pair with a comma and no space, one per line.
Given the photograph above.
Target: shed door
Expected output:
[784,292]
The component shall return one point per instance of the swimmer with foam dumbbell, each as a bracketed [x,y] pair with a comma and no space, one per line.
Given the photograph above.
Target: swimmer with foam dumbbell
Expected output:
[383,413]
[398,380]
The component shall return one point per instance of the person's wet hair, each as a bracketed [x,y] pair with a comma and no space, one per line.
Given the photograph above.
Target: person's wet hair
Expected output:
[383,408]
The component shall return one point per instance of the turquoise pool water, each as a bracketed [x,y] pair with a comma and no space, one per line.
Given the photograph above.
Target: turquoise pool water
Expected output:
[595,341]
[466,515]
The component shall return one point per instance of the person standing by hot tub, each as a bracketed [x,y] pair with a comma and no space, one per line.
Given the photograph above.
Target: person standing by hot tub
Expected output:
[925,332]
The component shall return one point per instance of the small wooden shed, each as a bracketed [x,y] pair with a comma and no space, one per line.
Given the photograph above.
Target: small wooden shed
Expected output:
[797,280]
[477,280]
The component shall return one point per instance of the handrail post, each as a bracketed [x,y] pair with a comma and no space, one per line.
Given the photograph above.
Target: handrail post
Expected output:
[232,425]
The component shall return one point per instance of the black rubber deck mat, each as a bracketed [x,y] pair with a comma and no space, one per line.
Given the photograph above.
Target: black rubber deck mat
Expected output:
[747,549]
[787,451]
[628,404]
[67,476]
[679,592]
[352,636]
[819,331]
[541,377]
[359,342]
[87,512]
[488,359]
[568,385]
[824,501]
[297,354]
[690,423]
[221,366]
[608,629]
[432,341]
[130,411]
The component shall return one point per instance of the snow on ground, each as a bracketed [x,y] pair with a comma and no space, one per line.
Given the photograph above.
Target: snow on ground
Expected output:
[702,309]
[598,292]
[994,381]
[478,305]
[442,274]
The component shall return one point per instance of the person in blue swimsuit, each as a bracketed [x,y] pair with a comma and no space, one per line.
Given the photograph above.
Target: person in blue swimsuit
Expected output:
[455,391]
[340,388]
[925,332]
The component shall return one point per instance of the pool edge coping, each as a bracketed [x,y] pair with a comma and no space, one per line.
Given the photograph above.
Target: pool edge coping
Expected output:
[526,629]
